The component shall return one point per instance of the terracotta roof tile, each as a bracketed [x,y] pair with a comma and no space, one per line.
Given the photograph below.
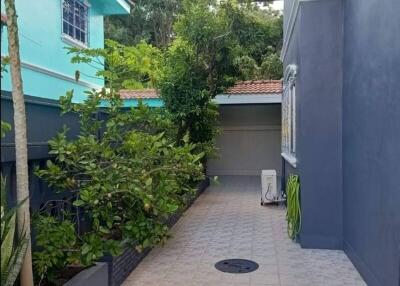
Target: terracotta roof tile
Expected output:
[137,94]
[256,86]
[241,87]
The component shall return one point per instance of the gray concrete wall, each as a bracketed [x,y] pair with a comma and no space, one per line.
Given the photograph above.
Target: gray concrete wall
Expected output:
[371,138]
[250,140]
[316,48]
[287,7]
[348,91]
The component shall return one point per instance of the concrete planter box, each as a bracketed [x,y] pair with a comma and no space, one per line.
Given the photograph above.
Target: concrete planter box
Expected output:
[96,275]
[119,267]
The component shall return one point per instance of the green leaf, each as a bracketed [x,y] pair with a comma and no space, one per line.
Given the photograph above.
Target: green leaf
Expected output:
[78,203]
[149,181]
[104,230]
[85,248]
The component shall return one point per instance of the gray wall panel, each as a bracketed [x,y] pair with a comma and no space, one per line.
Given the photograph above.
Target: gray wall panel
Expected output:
[250,140]
[371,138]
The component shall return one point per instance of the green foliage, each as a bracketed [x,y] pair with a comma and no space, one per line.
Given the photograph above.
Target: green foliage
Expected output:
[208,31]
[271,67]
[13,244]
[240,28]
[127,181]
[150,20]
[5,127]
[4,62]
[56,246]
[186,96]
[217,42]
[133,67]
[293,214]
[258,32]
[198,66]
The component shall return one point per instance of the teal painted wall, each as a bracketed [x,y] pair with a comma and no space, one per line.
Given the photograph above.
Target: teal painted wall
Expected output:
[41,45]
[153,102]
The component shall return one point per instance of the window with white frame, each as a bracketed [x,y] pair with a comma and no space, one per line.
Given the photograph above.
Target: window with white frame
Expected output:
[75,21]
[289,115]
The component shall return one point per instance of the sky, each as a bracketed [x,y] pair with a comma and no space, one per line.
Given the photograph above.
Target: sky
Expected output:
[278,5]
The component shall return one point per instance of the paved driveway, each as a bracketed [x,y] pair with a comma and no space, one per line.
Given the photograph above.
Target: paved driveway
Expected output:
[227,221]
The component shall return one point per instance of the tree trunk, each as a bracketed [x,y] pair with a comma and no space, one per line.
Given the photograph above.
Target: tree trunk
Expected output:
[21,152]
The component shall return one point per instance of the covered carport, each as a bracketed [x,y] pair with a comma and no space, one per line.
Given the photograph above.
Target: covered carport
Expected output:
[250,122]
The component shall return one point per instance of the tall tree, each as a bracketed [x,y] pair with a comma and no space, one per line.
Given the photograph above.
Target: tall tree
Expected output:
[149,20]
[216,43]
[21,152]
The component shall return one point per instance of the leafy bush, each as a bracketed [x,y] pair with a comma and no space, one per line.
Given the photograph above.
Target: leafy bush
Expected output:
[217,42]
[56,244]
[184,89]
[5,127]
[128,180]
[131,67]
[13,244]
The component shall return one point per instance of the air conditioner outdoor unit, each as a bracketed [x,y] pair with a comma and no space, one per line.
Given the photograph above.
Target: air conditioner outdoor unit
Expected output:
[269,189]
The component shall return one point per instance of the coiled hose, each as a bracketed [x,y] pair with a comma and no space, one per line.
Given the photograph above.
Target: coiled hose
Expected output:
[293,213]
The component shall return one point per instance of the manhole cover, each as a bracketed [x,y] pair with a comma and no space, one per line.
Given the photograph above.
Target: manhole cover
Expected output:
[236,266]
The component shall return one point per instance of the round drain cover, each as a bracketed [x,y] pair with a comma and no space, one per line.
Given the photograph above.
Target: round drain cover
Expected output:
[236,266]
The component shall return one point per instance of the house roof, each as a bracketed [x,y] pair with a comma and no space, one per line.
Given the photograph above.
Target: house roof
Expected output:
[256,87]
[139,94]
[114,7]
[252,87]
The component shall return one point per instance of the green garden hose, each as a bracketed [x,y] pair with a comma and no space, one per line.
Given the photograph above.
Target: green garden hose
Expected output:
[293,214]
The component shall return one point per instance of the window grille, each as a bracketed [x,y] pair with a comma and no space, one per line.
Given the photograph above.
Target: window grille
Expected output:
[75,20]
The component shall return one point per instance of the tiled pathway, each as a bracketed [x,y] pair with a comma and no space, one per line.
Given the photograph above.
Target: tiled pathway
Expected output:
[227,221]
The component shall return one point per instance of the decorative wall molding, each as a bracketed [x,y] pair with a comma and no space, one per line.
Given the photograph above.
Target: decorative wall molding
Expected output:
[58,75]
[288,142]
[289,76]
[290,159]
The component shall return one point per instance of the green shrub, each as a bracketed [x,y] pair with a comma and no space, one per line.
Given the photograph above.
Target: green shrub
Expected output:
[56,244]
[13,244]
[127,181]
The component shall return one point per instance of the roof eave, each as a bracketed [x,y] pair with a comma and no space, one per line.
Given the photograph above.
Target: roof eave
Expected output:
[116,7]
[248,98]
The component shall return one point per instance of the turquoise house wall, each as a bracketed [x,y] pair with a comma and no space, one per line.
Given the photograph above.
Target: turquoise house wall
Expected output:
[153,102]
[128,103]
[46,68]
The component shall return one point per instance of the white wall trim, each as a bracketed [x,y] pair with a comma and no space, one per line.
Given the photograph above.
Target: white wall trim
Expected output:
[290,159]
[224,172]
[290,26]
[248,98]
[72,42]
[58,75]
[251,128]
[124,5]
